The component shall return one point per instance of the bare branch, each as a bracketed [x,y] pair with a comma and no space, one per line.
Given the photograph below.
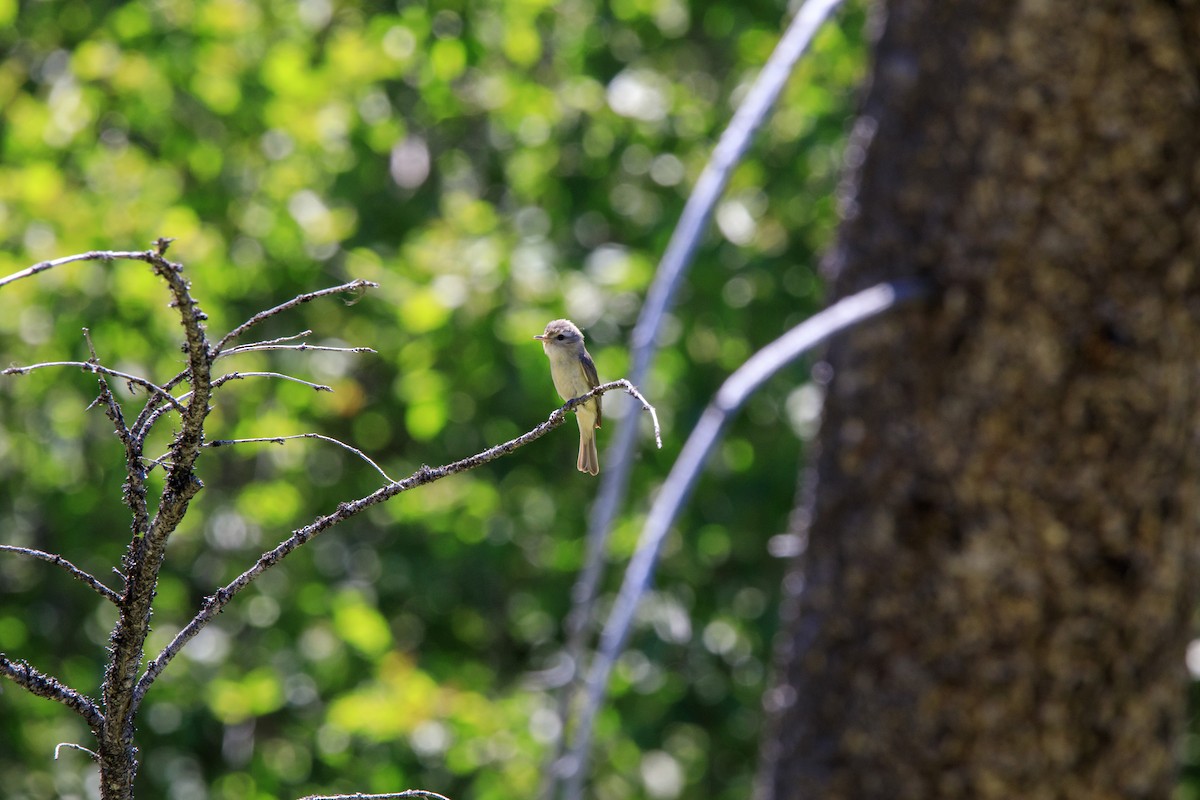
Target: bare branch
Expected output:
[282,439]
[258,348]
[42,685]
[150,415]
[844,314]
[95,255]
[237,376]
[59,561]
[388,796]
[621,383]
[278,340]
[295,301]
[216,602]
[88,366]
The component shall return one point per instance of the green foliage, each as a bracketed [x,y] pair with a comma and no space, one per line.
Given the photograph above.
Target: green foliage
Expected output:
[493,165]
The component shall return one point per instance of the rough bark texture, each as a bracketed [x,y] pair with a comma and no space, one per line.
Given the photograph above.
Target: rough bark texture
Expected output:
[1002,531]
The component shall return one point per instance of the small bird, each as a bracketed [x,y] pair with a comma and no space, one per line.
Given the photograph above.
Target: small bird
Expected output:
[574,374]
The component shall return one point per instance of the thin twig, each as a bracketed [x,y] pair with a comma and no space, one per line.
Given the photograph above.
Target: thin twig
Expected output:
[133,489]
[676,260]
[51,688]
[844,314]
[263,346]
[237,376]
[151,412]
[388,796]
[215,603]
[112,409]
[88,366]
[59,561]
[150,415]
[277,340]
[162,461]
[95,255]
[295,301]
[72,746]
[282,439]
[621,383]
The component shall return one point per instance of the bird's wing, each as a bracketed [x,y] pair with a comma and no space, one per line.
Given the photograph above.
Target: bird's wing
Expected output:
[593,379]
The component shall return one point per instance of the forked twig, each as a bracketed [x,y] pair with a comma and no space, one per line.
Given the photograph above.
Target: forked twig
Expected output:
[842,315]
[280,344]
[88,366]
[299,300]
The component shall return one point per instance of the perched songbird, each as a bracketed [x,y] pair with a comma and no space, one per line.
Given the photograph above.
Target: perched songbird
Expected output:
[574,374]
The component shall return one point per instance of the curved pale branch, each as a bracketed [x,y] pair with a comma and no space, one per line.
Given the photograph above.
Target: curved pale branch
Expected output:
[733,393]
[676,260]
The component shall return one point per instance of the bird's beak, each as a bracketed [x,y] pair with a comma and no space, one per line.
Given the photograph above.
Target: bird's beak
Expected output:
[540,336]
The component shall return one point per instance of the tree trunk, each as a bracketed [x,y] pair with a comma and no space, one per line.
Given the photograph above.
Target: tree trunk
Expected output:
[1001,540]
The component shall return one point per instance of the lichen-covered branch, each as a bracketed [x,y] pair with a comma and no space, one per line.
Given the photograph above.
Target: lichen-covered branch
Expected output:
[51,688]
[118,763]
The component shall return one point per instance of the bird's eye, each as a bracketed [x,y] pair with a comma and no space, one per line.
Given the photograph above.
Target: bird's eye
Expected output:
[560,337]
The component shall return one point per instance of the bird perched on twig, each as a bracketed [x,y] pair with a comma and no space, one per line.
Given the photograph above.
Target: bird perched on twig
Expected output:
[574,374]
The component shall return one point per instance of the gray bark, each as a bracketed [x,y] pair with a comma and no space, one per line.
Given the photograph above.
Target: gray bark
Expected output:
[1001,539]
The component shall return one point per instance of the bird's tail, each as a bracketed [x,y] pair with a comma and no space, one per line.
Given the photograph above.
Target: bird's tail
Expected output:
[589,461]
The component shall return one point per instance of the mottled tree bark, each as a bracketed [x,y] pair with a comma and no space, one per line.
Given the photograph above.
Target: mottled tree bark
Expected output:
[1001,534]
